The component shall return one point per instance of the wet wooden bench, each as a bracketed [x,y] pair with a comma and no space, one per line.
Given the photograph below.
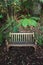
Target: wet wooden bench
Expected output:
[21,40]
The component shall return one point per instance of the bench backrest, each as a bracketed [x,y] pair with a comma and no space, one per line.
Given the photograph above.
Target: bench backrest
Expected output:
[21,37]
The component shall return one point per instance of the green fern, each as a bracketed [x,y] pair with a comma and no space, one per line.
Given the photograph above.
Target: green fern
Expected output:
[28,22]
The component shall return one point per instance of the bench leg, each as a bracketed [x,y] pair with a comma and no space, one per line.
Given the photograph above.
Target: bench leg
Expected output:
[35,47]
[7,45]
[7,48]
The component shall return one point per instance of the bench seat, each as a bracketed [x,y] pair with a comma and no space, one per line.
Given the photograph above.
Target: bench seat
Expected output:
[21,40]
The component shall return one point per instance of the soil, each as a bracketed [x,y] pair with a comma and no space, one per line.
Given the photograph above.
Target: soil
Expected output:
[21,56]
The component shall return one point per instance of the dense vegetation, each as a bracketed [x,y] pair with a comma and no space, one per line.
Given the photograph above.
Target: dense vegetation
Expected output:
[21,15]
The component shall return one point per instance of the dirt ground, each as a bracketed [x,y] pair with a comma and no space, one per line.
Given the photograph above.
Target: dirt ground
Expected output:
[21,56]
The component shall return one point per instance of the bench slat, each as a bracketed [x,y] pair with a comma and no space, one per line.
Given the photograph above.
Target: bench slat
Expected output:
[20,37]
[21,45]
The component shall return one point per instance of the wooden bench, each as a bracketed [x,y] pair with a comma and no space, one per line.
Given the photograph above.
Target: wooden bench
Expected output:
[21,40]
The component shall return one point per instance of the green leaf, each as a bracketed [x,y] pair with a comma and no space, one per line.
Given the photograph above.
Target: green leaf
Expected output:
[15,29]
[32,22]
[35,18]
[40,40]
[24,22]
[17,2]
[1,16]
[29,15]
[28,22]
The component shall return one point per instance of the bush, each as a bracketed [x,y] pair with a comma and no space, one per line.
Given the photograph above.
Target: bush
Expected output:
[39,39]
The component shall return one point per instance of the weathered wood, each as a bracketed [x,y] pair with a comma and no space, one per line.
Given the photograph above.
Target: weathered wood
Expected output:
[21,40]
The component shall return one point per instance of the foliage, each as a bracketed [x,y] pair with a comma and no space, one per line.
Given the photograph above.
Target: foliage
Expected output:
[2,6]
[35,18]
[28,22]
[17,2]
[14,6]
[28,4]
[15,29]
[13,25]
[41,1]
[40,40]
[32,22]
[24,22]
[41,28]
[1,16]
[7,24]
[2,2]
[1,38]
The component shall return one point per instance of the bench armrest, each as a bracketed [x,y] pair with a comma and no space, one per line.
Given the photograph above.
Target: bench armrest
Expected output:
[6,42]
[35,41]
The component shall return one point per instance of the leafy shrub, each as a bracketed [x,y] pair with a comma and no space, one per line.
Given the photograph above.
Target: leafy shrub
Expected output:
[41,28]
[35,18]
[28,22]
[13,25]
[40,40]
